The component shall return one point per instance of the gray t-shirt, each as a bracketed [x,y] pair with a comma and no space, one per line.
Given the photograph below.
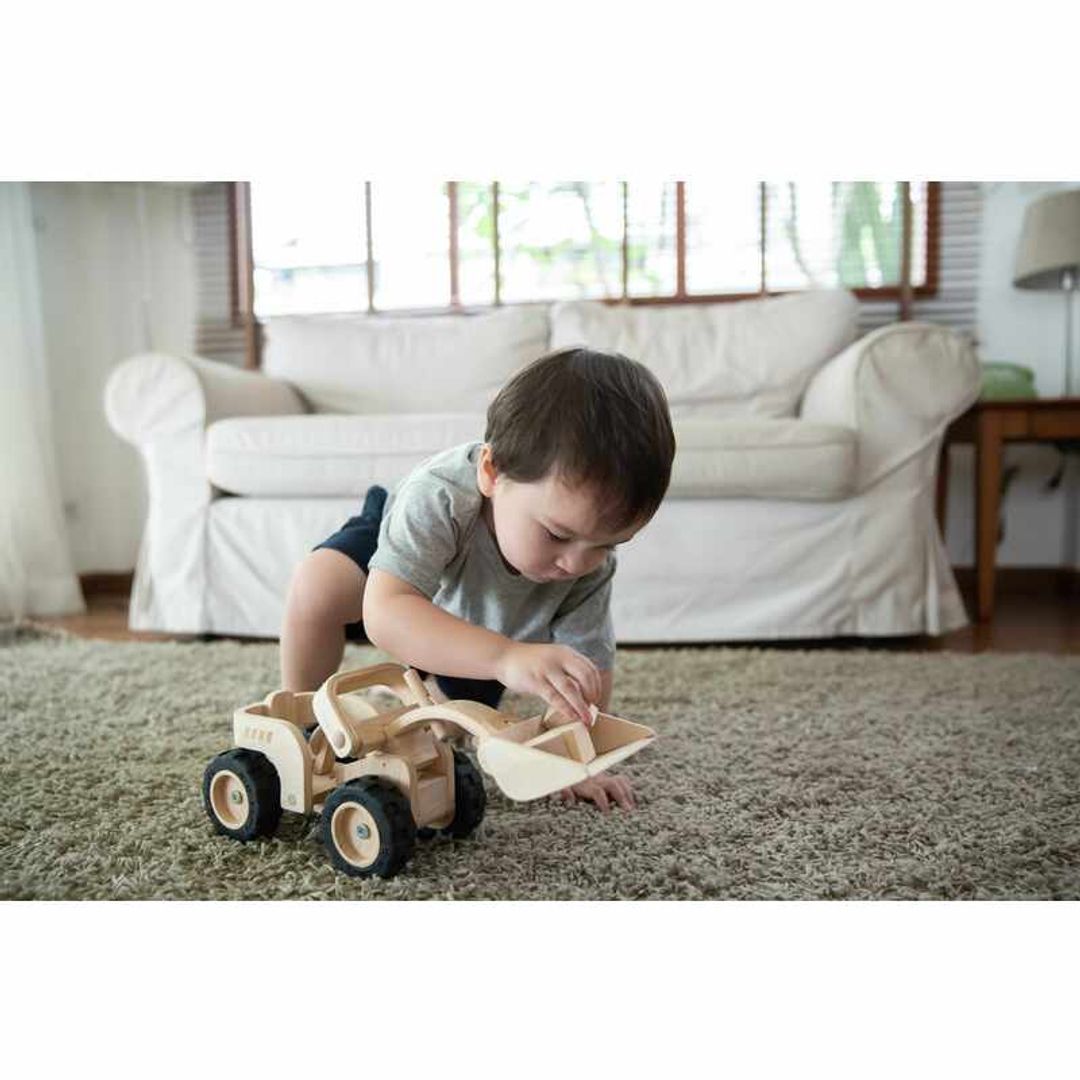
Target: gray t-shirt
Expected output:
[434,537]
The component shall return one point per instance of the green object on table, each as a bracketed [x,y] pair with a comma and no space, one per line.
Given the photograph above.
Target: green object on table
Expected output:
[1001,380]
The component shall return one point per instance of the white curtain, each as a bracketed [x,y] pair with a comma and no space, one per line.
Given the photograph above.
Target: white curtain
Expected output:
[36,574]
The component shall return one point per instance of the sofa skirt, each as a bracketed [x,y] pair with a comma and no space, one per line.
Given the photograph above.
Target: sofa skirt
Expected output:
[703,570]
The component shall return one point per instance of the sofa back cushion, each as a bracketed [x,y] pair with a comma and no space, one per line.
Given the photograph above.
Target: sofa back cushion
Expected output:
[417,364]
[748,358]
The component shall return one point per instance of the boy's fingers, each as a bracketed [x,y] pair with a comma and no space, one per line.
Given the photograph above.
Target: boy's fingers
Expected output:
[559,702]
[588,675]
[600,798]
[571,691]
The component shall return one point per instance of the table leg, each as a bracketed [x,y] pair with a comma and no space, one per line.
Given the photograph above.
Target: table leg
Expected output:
[988,451]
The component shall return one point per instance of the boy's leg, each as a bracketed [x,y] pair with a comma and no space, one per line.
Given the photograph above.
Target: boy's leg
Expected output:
[486,691]
[326,593]
[326,599]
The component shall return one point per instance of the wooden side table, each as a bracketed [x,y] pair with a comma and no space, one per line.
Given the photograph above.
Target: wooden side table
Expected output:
[989,425]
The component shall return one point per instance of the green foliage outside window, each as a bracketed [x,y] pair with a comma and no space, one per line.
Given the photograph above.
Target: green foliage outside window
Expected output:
[565,240]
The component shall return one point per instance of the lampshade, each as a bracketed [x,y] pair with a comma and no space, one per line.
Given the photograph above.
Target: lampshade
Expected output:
[1049,241]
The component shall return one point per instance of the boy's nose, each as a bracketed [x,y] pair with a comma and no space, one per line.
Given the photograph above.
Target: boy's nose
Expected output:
[574,565]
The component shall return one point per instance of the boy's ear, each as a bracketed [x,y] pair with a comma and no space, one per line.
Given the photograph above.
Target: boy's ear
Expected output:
[485,472]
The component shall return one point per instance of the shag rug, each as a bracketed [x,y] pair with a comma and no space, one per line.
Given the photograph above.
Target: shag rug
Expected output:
[777,774]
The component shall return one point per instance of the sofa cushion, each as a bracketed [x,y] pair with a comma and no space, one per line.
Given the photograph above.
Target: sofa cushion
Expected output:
[753,357]
[328,455]
[381,364]
[763,459]
[343,455]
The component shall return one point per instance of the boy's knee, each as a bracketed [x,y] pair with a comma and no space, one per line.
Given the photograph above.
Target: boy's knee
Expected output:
[326,587]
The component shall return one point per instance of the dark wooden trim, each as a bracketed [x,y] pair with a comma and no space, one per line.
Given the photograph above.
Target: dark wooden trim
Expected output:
[245,275]
[455,290]
[111,584]
[933,239]
[1023,580]
[370,247]
[633,301]
[495,240]
[665,301]
[891,293]
[1047,419]
[680,240]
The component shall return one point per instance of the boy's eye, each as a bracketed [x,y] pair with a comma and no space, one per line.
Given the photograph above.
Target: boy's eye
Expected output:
[552,536]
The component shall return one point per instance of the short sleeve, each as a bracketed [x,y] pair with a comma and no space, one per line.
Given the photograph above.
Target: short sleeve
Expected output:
[583,620]
[419,536]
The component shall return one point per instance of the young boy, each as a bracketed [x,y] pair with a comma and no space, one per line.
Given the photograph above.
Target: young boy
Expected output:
[492,563]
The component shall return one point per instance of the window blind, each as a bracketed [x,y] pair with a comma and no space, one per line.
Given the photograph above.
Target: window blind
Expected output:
[216,336]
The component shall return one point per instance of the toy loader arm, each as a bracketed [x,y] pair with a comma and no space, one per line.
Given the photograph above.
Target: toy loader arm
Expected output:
[525,760]
[471,717]
[345,719]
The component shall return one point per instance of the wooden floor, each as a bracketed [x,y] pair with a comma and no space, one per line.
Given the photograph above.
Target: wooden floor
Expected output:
[1036,611]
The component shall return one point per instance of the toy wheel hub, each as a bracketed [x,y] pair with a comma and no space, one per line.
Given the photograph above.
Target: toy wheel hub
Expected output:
[356,835]
[229,800]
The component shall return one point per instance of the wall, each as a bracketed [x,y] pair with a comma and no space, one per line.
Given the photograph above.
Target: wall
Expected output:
[1028,327]
[117,277]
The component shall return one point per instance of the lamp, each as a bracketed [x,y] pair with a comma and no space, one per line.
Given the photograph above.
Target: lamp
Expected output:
[1048,257]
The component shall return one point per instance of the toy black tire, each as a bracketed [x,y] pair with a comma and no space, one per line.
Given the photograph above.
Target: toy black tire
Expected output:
[368,828]
[242,794]
[470,799]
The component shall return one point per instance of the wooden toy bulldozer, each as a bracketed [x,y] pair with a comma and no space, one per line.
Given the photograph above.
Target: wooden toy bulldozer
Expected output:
[380,777]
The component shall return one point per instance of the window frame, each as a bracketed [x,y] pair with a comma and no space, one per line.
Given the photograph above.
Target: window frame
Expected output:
[243,269]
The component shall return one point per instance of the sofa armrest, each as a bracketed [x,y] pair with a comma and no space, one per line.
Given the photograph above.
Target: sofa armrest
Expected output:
[154,395]
[898,388]
[162,405]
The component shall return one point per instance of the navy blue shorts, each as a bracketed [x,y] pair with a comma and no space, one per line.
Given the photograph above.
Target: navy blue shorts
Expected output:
[357,539]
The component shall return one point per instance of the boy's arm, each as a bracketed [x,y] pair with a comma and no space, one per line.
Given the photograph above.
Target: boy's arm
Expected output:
[402,621]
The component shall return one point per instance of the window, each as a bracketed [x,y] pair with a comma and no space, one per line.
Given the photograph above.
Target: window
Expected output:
[309,253]
[560,241]
[410,244]
[723,238]
[841,234]
[429,246]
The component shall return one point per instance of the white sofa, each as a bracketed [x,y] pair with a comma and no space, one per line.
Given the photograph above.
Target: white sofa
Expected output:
[801,503]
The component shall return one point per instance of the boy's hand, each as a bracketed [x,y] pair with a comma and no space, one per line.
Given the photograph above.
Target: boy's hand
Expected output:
[602,790]
[564,678]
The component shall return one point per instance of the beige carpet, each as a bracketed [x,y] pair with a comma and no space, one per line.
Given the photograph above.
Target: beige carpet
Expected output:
[777,774]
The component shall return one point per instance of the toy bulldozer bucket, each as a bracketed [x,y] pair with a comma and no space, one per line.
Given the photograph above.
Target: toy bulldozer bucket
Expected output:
[555,758]
[527,759]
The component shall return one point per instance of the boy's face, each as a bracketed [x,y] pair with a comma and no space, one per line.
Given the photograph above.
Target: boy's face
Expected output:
[546,530]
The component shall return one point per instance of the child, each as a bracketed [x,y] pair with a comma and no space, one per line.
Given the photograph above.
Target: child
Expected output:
[492,563]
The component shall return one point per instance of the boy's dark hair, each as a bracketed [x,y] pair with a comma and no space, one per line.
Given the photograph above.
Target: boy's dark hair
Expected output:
[592,417]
